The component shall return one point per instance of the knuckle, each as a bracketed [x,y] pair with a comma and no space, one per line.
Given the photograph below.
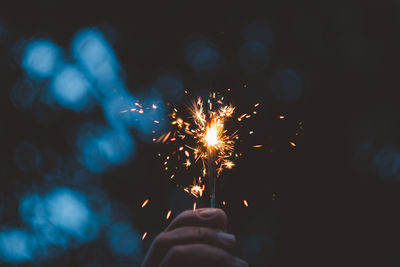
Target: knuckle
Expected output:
[222,214]
[202,232]
[175,252]
[186,213]
[160,240]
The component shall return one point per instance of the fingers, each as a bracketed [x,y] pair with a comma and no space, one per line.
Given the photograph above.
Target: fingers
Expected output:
[187,235]
[213,218]
[200,255]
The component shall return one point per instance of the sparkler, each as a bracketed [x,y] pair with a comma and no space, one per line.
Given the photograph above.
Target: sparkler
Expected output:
[204,138]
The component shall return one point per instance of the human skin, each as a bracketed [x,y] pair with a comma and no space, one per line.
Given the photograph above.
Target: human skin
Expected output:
[194,238]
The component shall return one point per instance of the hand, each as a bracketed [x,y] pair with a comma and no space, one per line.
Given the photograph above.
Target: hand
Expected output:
[194,238]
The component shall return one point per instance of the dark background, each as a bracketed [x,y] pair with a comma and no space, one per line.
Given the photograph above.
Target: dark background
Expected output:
[321,203]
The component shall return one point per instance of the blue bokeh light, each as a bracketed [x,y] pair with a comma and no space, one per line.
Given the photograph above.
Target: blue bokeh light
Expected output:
[202,55]
[101,148]
[33,212]
[68,210]
[15,246]
[40,58]
[27,157]
[58,217]
[70,88]
[147,116]
[287,85]
[124,240]
[387,163]
[91,49]
[145,123]
[170,87]
[117,103]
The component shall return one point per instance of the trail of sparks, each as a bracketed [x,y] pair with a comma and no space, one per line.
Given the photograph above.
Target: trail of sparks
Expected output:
[203,130]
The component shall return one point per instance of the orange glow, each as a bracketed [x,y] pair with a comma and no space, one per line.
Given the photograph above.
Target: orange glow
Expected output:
[145,203]
[144,235]
[211,137]
[168,215]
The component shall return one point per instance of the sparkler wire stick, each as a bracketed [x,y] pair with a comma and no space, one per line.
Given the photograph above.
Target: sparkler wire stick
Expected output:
[211,155]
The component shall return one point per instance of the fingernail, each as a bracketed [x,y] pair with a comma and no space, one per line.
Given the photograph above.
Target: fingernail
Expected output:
[226,238]
[207,213]
[239,263]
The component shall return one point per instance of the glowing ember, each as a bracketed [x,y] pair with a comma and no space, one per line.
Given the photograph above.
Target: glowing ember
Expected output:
[145,203]
[144,235]
[245,203]
[168,215]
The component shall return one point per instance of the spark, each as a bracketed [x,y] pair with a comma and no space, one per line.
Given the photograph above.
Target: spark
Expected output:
[257,146]
[144,235]
[187,163]
[245,203]
[145,203]
[228,164]
[281,117]
[292,144]
[194,206]
[223,203]
[196,189]
[154,106]
[168,215]
[241,117]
